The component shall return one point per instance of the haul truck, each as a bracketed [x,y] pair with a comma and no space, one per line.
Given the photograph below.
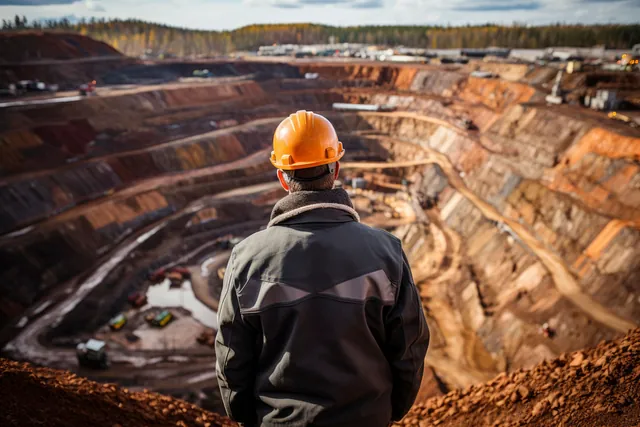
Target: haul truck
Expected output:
[92,354]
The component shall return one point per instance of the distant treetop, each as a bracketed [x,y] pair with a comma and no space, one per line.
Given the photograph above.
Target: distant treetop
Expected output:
[135,37]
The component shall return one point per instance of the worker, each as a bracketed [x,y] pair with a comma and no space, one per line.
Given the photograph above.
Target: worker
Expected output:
[320,322]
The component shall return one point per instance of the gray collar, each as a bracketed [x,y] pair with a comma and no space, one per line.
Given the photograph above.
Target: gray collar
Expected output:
[304,201]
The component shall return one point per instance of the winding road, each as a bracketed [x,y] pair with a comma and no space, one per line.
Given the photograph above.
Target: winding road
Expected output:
[27,345]
[564,281]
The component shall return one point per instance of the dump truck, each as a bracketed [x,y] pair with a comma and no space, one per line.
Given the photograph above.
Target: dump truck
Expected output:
[183,271]
[118,322]
[175,279]
[92,354]
[162,319]
[158,275]
[137,299]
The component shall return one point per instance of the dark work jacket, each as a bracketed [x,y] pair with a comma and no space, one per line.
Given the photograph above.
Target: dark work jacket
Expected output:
[320,323]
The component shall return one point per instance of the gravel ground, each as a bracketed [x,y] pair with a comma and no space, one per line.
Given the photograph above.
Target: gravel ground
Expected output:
[594,387]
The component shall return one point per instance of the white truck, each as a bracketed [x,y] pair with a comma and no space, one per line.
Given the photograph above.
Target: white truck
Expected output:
[92,354]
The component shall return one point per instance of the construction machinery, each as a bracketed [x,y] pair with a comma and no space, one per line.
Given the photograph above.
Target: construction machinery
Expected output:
[466,124]
[162,319]
[88,89]
[556,93]
[92,354]
[158,275]
[118,322]
[176,274]
[614,115]
[137,299]
[175,279]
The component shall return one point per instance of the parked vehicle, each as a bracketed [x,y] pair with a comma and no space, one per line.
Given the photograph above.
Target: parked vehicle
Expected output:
[118,322]
[88,89]
[158,275]
[162,319]
[92,354]
[137,299]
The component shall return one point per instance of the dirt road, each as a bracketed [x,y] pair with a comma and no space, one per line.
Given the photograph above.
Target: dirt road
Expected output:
[564,281]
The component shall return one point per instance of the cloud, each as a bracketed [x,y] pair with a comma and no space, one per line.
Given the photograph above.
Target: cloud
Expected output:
[73,19]
[478,5]
[297,4]
[93,6]
[499,6]
[34,2]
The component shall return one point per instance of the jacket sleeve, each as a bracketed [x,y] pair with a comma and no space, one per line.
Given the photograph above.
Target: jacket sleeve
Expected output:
[236,358]
[407,343]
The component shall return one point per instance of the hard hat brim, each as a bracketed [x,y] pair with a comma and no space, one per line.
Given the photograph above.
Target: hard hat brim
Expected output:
[306,165]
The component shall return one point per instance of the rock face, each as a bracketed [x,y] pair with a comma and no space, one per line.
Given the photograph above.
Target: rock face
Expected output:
[595,387]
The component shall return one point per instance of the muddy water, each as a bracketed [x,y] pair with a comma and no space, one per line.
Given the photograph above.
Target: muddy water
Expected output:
[162,295]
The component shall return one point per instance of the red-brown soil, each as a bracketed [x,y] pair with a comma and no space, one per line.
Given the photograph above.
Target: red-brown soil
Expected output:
[33,396]
[595,387]
[34,46]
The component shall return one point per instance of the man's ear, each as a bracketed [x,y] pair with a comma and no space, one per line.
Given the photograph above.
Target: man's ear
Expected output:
[283,182]
[337,172]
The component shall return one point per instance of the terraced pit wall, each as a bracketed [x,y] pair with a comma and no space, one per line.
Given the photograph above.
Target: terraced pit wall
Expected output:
[570,181]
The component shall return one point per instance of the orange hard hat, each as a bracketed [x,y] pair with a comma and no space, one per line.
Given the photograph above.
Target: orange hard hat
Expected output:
[305,140]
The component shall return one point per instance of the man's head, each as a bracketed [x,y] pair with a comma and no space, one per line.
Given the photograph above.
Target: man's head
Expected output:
[306,152]
[317,178]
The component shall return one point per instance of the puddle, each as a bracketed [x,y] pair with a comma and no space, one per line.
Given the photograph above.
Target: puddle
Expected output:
[162,295]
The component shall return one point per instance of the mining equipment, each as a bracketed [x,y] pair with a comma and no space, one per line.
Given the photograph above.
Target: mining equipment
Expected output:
[118,322]
[162,319]
[137,299]
[92,354]
[614,115]
[88,89]
[556,93]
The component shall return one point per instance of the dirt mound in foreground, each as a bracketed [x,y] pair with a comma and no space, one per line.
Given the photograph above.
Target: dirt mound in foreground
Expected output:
[596,387]
[34,46]
[33,396]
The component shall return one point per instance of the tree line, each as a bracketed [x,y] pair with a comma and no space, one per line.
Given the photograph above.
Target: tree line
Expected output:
[135,37]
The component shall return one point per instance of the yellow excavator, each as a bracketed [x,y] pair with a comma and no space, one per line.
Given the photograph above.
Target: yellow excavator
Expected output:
[614,115]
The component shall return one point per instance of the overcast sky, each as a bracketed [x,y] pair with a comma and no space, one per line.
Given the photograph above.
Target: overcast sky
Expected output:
[229,14]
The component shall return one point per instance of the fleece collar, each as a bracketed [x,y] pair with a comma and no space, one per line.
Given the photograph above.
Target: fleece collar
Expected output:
[304,201]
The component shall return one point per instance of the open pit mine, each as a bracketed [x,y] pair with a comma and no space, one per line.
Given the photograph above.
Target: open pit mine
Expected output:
[118,211]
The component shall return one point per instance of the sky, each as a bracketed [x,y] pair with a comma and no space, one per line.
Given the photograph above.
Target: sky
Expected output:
[230,14]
